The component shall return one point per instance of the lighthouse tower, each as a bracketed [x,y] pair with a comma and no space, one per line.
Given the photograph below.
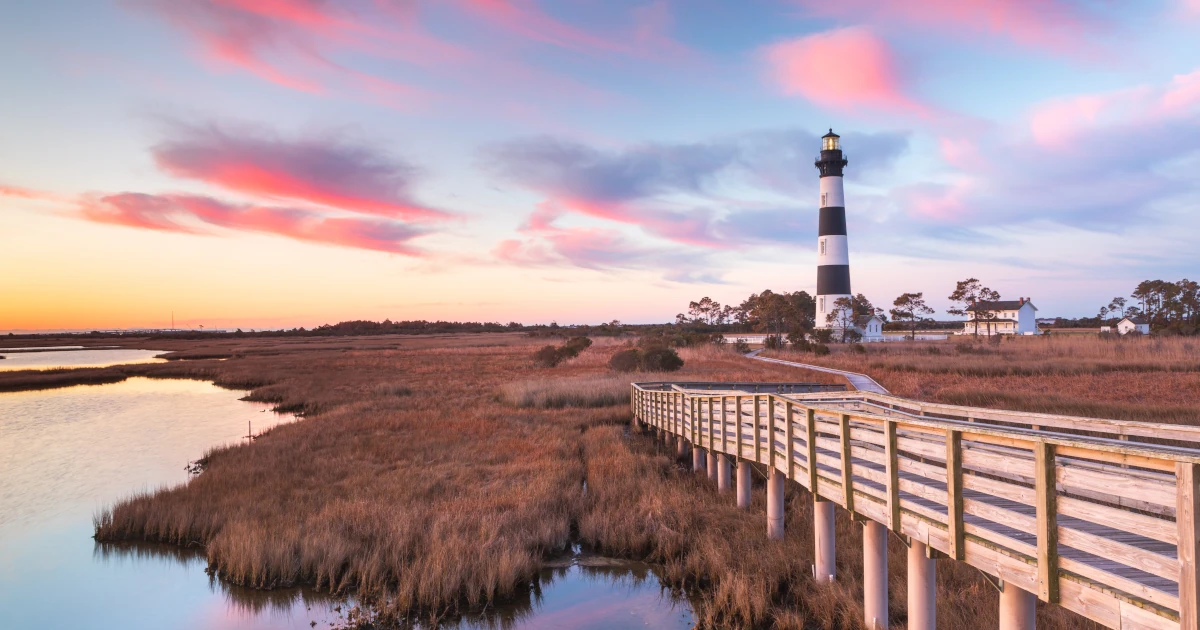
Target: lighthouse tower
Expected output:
[833,258]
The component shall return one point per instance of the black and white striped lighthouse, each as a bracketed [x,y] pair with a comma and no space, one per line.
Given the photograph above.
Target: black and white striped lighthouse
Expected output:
[833,257]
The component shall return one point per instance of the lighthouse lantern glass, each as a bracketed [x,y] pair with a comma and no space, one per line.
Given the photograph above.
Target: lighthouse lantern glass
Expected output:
[830,144]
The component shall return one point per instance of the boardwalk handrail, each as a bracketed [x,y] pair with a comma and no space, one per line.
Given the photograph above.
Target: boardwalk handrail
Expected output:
[1117,429]
[1099,525]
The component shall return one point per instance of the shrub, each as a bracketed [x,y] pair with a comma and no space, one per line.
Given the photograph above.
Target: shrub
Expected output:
[656,359]
[661,360]
[823,335]
[547,356]
[859,348]
[574,346]
[820,349]
[626,360]
[741,346]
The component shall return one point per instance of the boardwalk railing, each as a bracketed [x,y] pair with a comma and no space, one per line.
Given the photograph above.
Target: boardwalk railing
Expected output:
[1075,511]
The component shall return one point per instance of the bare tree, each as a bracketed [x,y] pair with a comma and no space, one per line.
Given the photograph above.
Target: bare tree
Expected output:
[910,307]
[968,293]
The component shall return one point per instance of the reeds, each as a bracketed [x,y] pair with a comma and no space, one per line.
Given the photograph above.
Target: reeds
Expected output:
[429,504]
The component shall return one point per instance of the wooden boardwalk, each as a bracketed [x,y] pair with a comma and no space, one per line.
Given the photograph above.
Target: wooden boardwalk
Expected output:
[1098,516]
[861,382]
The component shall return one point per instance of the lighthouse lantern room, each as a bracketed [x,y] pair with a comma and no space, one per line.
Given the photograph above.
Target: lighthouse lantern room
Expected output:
[833,257]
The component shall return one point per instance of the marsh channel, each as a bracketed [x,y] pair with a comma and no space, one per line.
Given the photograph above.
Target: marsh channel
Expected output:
[67,453]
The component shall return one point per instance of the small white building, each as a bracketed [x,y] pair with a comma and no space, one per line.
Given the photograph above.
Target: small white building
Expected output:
[1002,317]
[869,327]
[1133,324]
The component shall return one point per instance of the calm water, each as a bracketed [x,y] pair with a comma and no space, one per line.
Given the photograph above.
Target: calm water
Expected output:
[66,453]
[48,359]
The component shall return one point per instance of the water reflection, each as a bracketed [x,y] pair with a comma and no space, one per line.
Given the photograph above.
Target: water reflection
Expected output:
[64,454]
[249,602]
[48,360]
[589,592]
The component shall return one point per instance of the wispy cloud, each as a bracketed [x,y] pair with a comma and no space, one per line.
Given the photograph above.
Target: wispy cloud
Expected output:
[688,193]
[327,170]
[1058,26]
[197,214]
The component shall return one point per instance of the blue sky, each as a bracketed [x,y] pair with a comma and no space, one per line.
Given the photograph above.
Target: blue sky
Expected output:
[279,163]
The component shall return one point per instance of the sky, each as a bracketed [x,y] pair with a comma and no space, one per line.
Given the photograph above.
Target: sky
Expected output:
[276,163]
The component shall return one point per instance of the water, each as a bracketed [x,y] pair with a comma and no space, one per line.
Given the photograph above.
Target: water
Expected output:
[66,453]
[589,592]
[50,359]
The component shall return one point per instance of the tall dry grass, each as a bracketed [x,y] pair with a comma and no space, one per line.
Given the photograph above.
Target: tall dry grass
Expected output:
[429,504]
[407,485]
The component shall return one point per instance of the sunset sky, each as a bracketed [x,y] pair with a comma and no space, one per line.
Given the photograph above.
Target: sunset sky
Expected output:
[276,163]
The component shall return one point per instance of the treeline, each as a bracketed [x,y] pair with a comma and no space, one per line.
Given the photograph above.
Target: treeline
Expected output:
[1169,307]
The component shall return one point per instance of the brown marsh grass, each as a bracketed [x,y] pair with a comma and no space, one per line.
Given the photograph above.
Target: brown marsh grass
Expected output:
[427,504]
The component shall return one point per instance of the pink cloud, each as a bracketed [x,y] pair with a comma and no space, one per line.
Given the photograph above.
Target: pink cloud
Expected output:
[290,43]
[843,68]
[649,36]
[1056,25]
[1060,122]
[29,193]
[324,171]
[193,214]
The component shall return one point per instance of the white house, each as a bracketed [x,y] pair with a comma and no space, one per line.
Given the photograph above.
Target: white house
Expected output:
[870,327]
[1133,324]
[1003,317]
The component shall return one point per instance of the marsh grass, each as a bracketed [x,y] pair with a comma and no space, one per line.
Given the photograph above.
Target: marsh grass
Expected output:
[585,391]
[433,504]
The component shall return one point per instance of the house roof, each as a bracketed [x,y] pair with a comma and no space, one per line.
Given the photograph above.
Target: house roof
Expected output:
[1000,305]
[863,320]
[1140,321]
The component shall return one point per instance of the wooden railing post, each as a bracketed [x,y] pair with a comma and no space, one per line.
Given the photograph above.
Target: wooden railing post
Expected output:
[1047,522]
[811,448]
[893,474]
[712,426]
[737,423]
[757,430]
[771,430]
[954,493]
[725,417]
[791,459]
[847,468]
[1187,520]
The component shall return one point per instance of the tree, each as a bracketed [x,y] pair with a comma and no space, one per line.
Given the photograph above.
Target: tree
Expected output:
[842,317]
[910,307]
[1116,306]
[967,294]
[705,311]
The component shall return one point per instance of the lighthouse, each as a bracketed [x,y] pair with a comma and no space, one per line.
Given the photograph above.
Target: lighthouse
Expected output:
[833,257]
